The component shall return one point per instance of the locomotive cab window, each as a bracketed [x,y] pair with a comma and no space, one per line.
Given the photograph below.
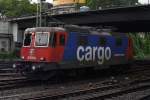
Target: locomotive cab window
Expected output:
[42,39]
[118,41]
[62,39]
[27,39]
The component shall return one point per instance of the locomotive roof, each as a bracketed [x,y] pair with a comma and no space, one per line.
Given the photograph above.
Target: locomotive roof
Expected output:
[79,29]
[44,29]
[92,30]
[74,28]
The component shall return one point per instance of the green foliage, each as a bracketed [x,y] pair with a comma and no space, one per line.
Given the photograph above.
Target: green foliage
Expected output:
[141,45]
[11,55]
[95,4]
[15,8]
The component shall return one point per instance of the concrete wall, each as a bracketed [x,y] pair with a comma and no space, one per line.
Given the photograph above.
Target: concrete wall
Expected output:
[14,31]
[17,33]
[4,27]
[6,43]
[6,37]
[20,36]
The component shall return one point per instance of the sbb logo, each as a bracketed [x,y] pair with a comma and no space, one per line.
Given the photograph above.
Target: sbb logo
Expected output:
[93,53]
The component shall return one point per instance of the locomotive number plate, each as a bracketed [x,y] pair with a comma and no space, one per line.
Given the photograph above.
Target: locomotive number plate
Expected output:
[31,58]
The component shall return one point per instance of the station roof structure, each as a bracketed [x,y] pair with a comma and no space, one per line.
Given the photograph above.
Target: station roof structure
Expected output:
[129,19]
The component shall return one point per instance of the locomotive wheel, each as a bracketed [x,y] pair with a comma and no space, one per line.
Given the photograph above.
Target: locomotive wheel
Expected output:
[46,75]
[42,75]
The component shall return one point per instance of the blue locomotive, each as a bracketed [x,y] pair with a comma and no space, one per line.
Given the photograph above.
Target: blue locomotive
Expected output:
[52,48]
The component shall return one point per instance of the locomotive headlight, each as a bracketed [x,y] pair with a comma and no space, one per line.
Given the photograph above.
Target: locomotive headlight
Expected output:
[22,57]
[33,68]
[42,58]
[14,66]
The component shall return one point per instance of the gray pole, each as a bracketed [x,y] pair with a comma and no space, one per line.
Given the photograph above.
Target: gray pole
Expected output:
[40,13]
[37,15]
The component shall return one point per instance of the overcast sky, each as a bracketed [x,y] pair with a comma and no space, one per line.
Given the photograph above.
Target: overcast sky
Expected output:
[46,1]
[144,1]
[141,1]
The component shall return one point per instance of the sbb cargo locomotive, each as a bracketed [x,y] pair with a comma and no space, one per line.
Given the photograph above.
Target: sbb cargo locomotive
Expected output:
[55,48]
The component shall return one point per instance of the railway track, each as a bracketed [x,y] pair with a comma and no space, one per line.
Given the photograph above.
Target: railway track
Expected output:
[11,83]
[135,81]
[8,78]
[145,98]
[94,91]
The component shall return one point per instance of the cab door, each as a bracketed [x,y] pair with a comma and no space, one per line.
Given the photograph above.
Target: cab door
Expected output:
[60,45]
[57,43]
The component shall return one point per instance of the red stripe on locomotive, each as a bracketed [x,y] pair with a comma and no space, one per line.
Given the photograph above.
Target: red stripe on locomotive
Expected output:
[130,49]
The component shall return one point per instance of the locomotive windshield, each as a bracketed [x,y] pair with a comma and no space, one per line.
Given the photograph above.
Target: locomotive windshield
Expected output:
[41,39]
[27,39]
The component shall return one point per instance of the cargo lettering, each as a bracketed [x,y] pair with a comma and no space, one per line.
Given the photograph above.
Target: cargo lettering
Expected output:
[93,53]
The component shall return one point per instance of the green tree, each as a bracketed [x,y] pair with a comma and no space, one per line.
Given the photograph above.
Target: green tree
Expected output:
[141,44]
[95,4]
[15,8]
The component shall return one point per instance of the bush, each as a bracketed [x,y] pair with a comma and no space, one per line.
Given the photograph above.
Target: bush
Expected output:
[5,55]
